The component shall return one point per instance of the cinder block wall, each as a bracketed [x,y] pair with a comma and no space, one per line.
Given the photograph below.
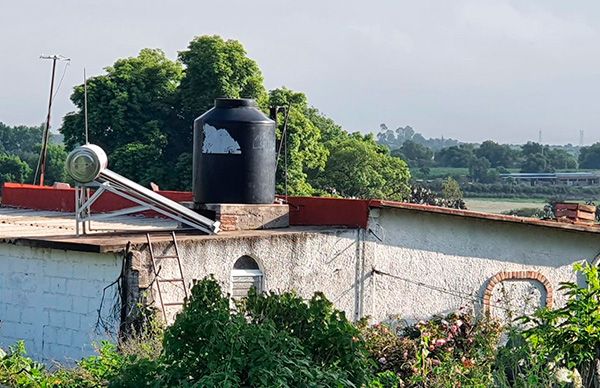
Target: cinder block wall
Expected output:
[50,298]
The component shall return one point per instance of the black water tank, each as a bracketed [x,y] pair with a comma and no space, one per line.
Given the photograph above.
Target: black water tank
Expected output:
[234,154]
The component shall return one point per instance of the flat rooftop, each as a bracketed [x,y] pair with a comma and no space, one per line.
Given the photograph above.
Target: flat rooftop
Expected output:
[50,229]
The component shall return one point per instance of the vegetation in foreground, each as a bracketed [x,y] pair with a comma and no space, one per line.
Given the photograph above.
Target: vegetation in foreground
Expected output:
[281,340]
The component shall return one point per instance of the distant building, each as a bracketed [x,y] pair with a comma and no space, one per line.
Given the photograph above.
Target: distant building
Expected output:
[559,178]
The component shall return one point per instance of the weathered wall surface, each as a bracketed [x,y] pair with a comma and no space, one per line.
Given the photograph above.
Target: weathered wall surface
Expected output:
[50,298]
[424,264]
[434,253]
[305,262]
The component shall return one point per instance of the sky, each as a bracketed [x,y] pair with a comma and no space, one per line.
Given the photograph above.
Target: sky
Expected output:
[466,69]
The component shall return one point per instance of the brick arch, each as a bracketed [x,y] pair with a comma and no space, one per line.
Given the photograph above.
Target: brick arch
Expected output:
[517,275]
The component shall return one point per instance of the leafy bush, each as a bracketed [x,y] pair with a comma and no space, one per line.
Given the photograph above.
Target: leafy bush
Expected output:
[18,370]
[324,331]
[531,212]
[270,340]
[569,337]
[425,196]
[453,350]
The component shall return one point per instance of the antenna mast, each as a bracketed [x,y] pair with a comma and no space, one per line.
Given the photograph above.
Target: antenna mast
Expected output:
[85,108]
[46,135]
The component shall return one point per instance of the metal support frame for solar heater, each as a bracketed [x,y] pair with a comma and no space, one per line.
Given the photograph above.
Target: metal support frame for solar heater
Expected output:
[84,202]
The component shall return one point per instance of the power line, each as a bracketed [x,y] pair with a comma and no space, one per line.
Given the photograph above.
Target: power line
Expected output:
[41,166]
[459,294]
[62,77]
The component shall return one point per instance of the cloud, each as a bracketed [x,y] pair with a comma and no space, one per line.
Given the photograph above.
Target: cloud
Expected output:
[502,19]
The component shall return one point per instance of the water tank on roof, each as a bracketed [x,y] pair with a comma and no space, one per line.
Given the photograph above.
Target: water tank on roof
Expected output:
[85,163]
[234,154]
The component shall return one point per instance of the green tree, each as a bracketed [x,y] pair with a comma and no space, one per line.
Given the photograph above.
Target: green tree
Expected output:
[139,162]
[13,169]
[55,164]
[560,159]
[269,341]
[569,336]
[455,156]
[143,108]
[20,140]
[358,167]
[536,163]
[132,102]
[451,190]
[130,106]
[497,154]
[531,148]
[214,67]
[416,154]
[480,171]
[589,157]
[306,153]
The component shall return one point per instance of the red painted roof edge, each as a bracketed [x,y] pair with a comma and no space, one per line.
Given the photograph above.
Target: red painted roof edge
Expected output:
[486,216]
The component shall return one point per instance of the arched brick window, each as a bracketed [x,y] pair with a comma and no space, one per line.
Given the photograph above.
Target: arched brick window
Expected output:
[245,274]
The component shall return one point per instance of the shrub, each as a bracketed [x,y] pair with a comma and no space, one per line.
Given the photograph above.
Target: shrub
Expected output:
[453,350]
[271,340]
[324,332]
[569,337]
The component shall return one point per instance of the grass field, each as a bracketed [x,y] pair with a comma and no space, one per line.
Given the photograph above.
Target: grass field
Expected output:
[443,172]
[499,205]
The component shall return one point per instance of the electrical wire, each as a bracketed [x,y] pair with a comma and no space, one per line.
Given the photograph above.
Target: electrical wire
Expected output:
[62,77]
[459,294]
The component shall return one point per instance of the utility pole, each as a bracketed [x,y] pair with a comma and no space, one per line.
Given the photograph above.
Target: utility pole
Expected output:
[46,134]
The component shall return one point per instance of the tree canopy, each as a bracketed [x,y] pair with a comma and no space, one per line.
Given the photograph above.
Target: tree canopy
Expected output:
[142,110]
[19,154]
[589,157]
[455,156]
[417,155]
[358,167]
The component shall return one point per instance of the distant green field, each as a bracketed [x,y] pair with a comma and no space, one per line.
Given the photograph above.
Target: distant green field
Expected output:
[499,205]
[443,172]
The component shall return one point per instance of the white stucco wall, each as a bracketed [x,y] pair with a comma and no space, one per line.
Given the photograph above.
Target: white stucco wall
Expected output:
[461,254]
[50,298]
[304,262]
[443,262]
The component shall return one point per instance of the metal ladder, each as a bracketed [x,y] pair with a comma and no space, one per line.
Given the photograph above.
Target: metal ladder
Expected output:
[156,269]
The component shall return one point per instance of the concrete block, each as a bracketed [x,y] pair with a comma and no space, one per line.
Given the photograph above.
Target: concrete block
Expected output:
[54,352]
[60,302]
[72,320]
[63,336]
[59,267]
[11,329]
[23,331]
[81,305]
[56,318]
[57,285]
[31,315]
[12,313]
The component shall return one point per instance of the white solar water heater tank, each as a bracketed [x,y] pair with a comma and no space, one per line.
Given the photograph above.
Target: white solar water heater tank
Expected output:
[85,163]
[88,163]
